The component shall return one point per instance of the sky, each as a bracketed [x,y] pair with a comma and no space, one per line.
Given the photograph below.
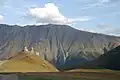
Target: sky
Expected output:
[99,16]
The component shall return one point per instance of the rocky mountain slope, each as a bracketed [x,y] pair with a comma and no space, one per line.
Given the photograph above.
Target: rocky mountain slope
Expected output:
[109,60]
[61,45]
[24,61]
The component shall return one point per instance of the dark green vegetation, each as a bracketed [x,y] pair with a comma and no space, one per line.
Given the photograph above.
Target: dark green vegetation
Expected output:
[109,60]
[62,45]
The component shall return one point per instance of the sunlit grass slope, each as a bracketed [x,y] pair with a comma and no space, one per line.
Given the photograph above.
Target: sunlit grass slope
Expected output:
[24,62]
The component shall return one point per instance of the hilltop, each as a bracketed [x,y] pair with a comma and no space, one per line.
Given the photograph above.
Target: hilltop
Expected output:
[24,61]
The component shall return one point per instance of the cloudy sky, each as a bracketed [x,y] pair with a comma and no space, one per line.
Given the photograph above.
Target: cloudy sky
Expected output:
[101,16]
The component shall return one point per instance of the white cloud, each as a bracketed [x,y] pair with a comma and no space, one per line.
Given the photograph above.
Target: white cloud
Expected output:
[109,29]
[113,31]
[96,3]
[87,30]
[104,26]
[104,1]
[1,19]
[51,14]
[80,19]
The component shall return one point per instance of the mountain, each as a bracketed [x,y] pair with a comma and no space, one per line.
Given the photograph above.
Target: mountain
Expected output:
[26,62]
[109,60]
[61,45]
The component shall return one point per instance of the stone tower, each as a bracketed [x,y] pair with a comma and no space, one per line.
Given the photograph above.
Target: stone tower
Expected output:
[26,49]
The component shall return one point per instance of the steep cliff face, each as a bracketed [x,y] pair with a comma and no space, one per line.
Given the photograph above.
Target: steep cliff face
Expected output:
[61,45]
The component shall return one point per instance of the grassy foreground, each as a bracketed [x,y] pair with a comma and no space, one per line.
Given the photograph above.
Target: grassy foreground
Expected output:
[81,74]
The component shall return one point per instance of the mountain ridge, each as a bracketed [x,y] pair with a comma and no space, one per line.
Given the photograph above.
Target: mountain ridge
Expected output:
[61,45]
[15,25]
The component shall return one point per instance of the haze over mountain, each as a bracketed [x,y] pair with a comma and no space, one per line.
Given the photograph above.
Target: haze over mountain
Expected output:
[61,45]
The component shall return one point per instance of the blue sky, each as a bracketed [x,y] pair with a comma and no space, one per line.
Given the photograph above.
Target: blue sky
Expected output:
[101,16]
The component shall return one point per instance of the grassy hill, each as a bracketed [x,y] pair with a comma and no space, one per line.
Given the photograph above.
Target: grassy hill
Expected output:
[23,62]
